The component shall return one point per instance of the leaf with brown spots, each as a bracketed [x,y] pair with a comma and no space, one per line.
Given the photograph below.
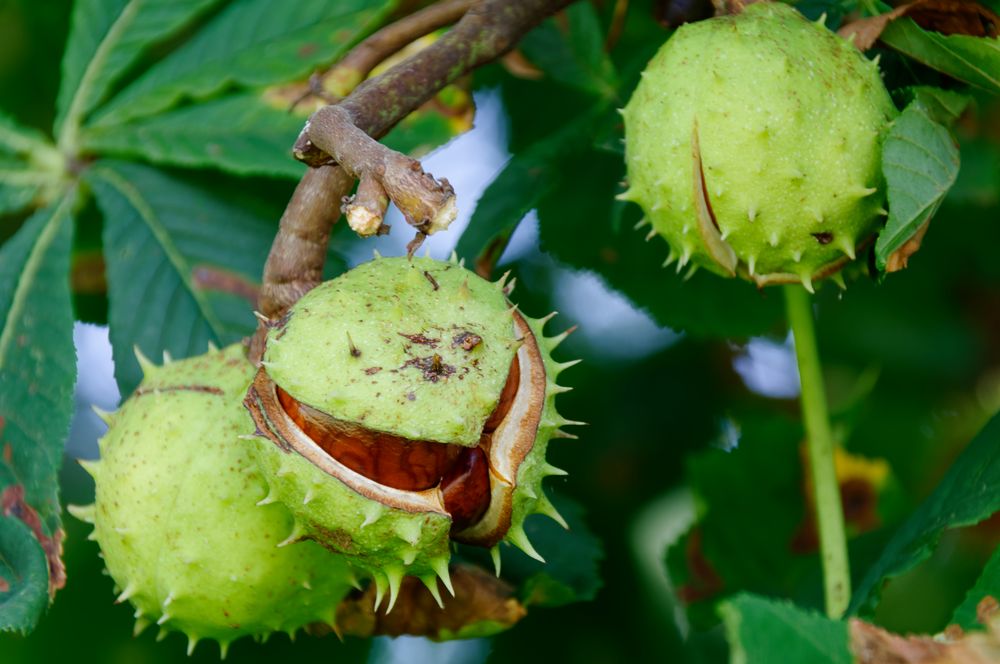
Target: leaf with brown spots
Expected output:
[768,630]
[981,597]
[899,259]
[948,17]
[23,577]
[207,277]
[920,162]
[967,494]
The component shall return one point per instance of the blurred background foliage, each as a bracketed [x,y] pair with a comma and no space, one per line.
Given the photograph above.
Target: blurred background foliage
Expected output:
[693,422]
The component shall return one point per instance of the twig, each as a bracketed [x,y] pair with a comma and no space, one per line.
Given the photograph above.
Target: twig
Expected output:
[355,67]
[826,489]
[427,204]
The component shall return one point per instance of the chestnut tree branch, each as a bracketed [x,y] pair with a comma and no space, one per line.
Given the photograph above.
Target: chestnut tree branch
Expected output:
[295,263]
[336,142]
[345,133]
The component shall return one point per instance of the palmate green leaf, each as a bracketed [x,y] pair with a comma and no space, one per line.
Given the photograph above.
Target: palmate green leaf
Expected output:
[106,38]
[37,374]
[581,224]
[974,60]
[763,631]
[573,53]
[19,140]
[19,186]
[251,43]
[969,493]
[238,133]
[182,265]
[988,585]
[517,189]
[920,162]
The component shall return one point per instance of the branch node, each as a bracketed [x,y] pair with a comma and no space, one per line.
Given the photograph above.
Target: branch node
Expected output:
[427,204]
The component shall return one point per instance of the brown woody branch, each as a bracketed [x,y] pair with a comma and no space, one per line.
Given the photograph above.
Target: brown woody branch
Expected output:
[294,266]
[345,133]
[427,204]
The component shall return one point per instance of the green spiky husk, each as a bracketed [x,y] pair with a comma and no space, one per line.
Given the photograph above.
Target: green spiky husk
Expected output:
[386,541]
[790,120]
[176,517]
[530,498]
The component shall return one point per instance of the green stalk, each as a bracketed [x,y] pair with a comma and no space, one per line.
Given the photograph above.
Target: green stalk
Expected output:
[826,489]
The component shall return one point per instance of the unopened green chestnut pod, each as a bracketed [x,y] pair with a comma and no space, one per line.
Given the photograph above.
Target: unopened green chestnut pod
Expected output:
[177,518]
[753,146]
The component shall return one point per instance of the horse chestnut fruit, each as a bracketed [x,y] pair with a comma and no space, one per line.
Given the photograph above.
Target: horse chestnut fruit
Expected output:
[753,144]
[176,518]
[402,406]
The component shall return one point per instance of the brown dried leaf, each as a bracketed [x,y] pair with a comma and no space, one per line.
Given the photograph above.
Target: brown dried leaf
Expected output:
[479,598]
[901,257]
[949,17]
[874,645]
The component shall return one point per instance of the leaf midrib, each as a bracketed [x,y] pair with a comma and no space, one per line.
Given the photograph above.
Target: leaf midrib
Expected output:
[156,227]
[17,141]
[28,274]
[69,133]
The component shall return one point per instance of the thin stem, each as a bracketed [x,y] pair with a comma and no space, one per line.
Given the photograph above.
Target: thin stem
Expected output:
[826,489]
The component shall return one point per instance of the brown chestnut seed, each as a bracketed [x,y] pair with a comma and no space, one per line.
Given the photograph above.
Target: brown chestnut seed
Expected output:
[466,488]
[411,465]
